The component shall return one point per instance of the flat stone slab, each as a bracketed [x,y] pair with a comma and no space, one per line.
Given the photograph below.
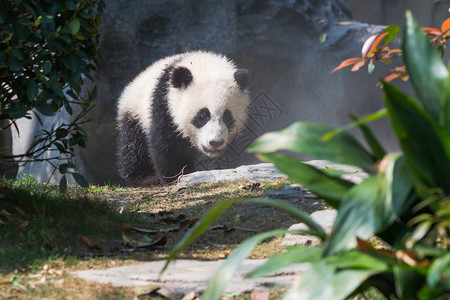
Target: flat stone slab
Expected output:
[264,172]
[184,276]
[258,172]
[324,218]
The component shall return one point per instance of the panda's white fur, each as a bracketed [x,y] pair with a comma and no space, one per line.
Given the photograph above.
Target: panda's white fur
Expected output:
[161,108]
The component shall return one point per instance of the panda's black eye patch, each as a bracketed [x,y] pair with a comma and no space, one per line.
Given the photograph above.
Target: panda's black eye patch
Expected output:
[228,119]
[201,118]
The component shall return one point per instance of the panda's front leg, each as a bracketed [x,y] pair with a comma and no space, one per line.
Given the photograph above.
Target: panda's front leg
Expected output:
[171,158]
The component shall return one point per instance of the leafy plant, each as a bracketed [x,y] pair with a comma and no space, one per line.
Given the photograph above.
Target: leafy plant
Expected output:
[374,50]
[47,51]
[404,201]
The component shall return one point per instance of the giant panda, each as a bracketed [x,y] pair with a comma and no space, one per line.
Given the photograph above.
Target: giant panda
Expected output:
[179,106]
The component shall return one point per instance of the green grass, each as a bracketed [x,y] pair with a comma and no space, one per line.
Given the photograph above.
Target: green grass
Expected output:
[40,224]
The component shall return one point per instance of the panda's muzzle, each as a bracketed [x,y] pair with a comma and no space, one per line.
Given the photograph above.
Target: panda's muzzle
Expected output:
[215,149]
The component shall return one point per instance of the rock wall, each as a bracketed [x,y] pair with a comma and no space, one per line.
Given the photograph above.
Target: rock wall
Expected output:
[277,41]
[387,12]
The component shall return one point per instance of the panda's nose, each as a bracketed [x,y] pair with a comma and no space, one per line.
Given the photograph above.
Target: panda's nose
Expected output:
[217,143]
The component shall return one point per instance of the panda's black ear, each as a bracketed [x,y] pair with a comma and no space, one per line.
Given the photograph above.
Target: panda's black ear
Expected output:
[181,77]
[241,77]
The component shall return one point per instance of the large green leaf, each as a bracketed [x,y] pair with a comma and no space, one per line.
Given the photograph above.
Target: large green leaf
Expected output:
[294,256]
[399,186]
[307,138]
[325,281]
[407,282]
[377,150]
[332,189]
[211,216]
[439,271]
[199,227]
[445,115]
[357,260]
[222,277]
[293,211]
[425,144]
[372,206]
[424,66]
[357,216]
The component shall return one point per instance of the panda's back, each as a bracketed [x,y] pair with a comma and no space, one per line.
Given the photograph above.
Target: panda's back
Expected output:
[137,97]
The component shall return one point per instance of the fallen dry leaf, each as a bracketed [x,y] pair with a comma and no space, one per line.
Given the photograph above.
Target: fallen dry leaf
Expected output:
[22,225]
[252,187]
[260,295]
[87,242]
[185,225]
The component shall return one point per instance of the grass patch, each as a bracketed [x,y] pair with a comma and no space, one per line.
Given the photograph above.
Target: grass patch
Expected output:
[44,235]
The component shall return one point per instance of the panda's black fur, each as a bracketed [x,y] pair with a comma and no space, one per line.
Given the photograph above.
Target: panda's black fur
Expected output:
[163,154]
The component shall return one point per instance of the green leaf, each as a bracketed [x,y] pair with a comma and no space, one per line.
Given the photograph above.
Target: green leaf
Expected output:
[61,133]
[424,66]
[424,143]
[17,54]
[357,122]
[322,38]
[399,185]
[357,217]
[293,211]
[324,281]
[407,282]
[307,138]
[392,31]
[47,67]
[215,212]
[199,227]
[357,260]
[32,90]
[370,67]
[332,189]
[74,26]
[63,168]
[63,185]
[220,279]
[377,150]
[437,270]
[372,206]
[14,64]
[80,180]
[295,256]
[45,19]
[16,112]
[446,106]
[45,109]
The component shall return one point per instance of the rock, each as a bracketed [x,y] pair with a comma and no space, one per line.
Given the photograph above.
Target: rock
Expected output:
[324,218]
[258,173]
[289,191]
[268,172]
[184,276]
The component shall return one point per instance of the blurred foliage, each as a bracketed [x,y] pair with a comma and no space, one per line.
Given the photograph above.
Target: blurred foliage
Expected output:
[392,229]
[48,49]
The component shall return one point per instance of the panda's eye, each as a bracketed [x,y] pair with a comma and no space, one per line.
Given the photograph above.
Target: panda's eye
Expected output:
[228,119]
[201,118]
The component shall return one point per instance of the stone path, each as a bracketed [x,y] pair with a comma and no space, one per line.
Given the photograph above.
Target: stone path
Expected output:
[186,276]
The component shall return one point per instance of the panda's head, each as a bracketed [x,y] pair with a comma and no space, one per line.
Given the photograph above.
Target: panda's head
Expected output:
[208,100]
